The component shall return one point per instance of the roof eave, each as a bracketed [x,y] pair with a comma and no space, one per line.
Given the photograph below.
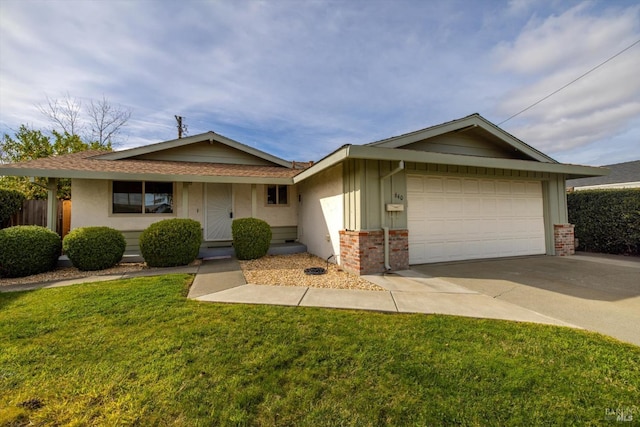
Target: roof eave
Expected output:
[334,158]
[396,154]
[376,153]
[55,173]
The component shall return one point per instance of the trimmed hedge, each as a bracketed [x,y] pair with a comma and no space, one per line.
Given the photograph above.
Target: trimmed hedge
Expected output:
[171,242]
[606,221]
[251,237]
[94,248]
[10,203]
[27,250]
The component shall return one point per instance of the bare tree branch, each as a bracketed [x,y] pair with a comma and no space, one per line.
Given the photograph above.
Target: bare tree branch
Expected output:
[64,113]
[106,120]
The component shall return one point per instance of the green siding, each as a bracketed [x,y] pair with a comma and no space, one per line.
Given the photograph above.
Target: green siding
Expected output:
[470,143]
[362,194]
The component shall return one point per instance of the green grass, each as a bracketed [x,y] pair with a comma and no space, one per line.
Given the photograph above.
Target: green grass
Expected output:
[137,352]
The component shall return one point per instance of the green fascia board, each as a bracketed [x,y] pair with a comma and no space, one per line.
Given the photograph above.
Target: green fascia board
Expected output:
[180,142]
[460,125]
[395,154]
[141,176]
[334,158]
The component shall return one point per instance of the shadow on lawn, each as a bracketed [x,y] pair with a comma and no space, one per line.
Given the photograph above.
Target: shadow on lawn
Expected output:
[7,298]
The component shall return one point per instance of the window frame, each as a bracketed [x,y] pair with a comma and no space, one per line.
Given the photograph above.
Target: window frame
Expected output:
[142,201]
[278,186]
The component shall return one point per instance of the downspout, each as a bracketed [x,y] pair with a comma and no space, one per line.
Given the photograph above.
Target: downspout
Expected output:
[385,229]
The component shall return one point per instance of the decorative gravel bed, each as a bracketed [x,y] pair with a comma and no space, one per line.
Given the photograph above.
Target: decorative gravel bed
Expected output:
[67,273]
[278,270]
[288,270]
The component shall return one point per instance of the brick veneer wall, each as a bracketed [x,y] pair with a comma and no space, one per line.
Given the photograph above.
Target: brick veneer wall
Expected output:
[564,239]
[362,252]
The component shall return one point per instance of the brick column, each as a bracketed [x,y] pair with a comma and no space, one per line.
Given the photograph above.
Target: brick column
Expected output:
[564,239]
[362,252]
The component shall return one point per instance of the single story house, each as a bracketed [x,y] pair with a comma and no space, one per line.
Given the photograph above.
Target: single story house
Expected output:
[622,175]
[464,189]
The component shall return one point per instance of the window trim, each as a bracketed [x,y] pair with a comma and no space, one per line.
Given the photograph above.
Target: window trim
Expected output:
[274,205]
[143,213]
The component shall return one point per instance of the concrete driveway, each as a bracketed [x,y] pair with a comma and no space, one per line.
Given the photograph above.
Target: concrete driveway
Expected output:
[595,292]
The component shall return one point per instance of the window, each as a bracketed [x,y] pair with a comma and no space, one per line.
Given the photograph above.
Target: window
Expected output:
[277,194]
[142,197]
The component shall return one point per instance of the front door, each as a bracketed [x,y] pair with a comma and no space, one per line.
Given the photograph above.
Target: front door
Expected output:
[219,213]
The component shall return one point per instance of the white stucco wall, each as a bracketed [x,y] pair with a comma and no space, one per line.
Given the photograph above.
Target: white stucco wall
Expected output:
[196,202]
[274,215]
[321,212]
[91,207]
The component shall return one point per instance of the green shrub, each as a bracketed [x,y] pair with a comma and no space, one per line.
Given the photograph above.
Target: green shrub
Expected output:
[27,250]
[171,242]
[251,237]
[606,221]
[10,203]
[94,248]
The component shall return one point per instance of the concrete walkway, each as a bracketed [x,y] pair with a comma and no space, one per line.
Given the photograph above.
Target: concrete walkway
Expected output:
[222,281]
[406,292]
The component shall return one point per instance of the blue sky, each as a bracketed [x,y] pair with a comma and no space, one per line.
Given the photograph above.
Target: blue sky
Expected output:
[299,79]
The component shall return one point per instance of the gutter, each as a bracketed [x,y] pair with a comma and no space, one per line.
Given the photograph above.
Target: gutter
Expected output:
[385,229]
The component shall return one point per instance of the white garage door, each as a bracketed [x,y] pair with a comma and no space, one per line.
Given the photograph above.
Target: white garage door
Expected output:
[467,218]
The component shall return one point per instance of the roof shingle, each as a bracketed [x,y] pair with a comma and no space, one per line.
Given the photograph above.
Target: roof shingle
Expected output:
[85,161]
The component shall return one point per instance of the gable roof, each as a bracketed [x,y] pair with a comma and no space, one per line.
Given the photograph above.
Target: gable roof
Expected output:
[474,121]
[181,142]
[627,172]
[392,149]
[92,165]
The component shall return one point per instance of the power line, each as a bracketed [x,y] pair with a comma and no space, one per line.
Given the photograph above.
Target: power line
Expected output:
[571,82]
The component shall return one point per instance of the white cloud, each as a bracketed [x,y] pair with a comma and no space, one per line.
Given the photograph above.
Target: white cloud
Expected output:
[301,81]
[553,52]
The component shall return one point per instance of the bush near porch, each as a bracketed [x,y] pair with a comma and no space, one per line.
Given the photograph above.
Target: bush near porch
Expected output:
[171,242]
[606,221]
[251,238]
[27,250]
[94,248]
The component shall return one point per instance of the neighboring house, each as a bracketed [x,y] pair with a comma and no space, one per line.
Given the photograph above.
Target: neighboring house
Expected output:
[622,175]
[464,189]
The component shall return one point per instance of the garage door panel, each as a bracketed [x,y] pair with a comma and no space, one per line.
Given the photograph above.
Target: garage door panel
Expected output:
[453,185]
[503,187]
[504,208]
[518,188]
[452,218]
[415,184]
[534,188]
[434,185]
[489,207]
[453,207]
[471,207]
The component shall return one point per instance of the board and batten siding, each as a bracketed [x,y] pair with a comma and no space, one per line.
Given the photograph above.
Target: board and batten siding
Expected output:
[361,180]
[466,144]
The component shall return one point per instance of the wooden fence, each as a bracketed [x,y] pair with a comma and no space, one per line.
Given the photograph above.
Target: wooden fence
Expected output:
[34,212]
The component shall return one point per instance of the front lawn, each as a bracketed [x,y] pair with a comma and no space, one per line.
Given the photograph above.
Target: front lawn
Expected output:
[137,352]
